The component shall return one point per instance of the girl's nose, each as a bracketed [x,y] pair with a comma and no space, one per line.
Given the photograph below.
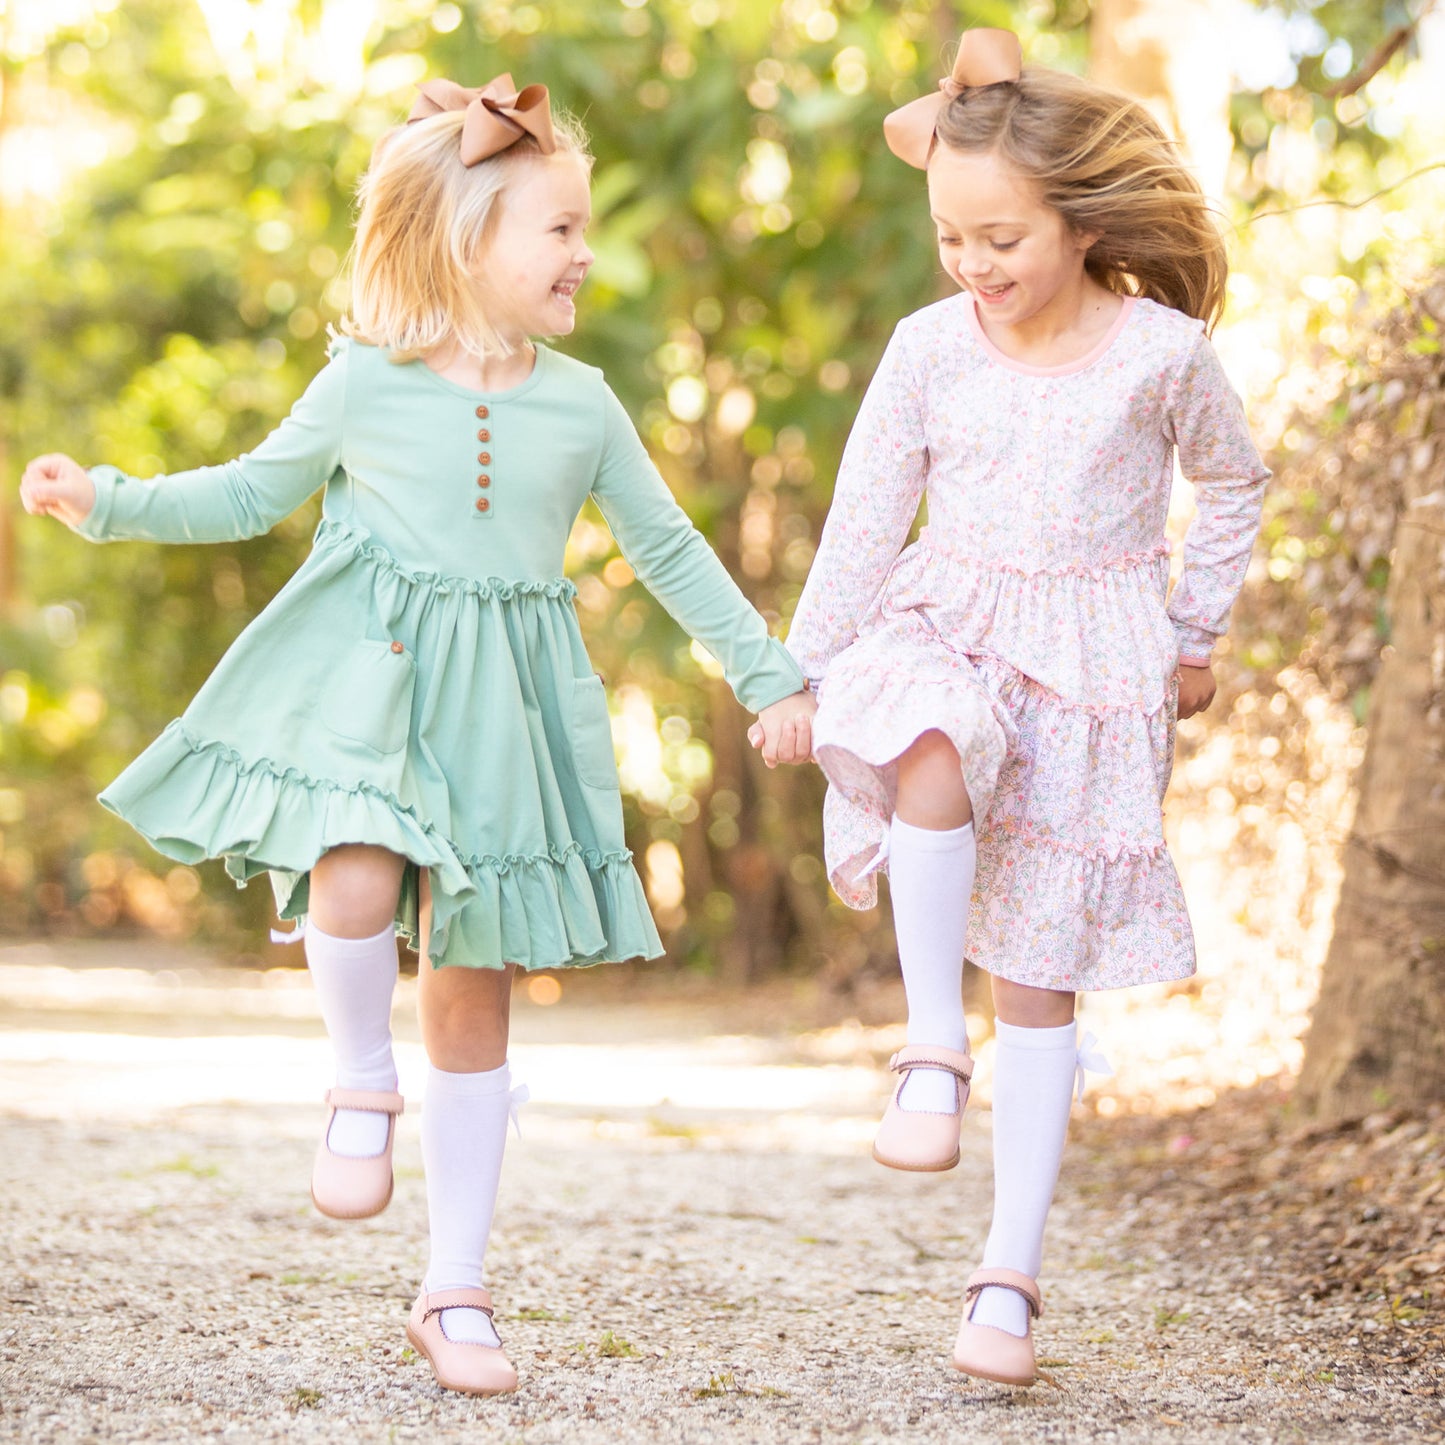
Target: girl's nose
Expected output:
[584,256]
[974,265]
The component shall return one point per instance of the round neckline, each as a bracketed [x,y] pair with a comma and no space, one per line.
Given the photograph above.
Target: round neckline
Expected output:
[1063,368]
[507,394]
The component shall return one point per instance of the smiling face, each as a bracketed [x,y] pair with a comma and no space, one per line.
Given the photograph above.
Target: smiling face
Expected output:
[997,239]
[538,256]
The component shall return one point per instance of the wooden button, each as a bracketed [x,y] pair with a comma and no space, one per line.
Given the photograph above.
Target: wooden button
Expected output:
[483,504]
[483,412]
[484,435]
[485,458]
[484,480]
[397,647]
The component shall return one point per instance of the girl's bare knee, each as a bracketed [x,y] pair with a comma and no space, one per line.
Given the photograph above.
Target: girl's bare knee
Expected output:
[931,791]
[930,750]
[465,1016]
[354,890]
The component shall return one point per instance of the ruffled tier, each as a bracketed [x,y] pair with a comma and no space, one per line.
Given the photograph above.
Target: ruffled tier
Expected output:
[1121,649]
[1091,782]
[888,689]
[357,543]
[1051,917]
[195,799]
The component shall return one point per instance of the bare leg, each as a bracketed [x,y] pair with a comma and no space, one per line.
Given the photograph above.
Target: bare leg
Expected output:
[931,793]
[465,1013]
[1031,1008]
[354,889]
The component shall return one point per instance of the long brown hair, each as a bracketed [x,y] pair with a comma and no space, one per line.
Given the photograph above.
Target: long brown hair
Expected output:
[1101,160]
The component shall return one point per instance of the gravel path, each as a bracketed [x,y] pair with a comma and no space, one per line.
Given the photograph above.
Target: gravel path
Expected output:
[664,1271]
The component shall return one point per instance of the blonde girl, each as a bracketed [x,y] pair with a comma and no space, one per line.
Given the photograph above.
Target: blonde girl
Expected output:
[410,739]
[997,701]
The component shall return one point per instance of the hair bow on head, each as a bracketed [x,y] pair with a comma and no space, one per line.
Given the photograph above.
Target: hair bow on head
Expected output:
[498,114]
[985,57]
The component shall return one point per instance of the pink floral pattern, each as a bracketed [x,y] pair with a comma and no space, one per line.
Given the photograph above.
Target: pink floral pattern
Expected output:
[1028,622]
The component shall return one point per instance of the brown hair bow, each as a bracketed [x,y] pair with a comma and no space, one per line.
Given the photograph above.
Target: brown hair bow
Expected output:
[985,57]
[498,115]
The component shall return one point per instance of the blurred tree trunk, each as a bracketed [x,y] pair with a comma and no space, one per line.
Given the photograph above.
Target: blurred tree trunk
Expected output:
[9,584]
[752,947]
[1378,1029]
[1172,55]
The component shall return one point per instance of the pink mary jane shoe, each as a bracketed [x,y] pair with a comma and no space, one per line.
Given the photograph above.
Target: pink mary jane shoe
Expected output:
[994,1354]
[914,1140]
[468,1369]
[347,1188]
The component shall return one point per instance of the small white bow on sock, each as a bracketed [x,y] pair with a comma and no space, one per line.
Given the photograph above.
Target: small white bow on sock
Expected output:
[295,936]
[515,1100]
[1091,1059]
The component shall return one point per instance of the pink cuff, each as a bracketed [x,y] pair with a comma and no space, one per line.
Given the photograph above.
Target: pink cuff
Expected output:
[1196,662]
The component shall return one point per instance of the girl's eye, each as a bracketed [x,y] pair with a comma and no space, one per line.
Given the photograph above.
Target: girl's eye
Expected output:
[1004,245]
[948,241]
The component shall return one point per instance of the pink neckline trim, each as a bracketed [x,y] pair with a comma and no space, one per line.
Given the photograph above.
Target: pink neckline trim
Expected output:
[1066,368]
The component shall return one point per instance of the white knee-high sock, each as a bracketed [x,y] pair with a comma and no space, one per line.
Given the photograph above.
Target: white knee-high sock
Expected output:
[1033,1087]
[354,980]
[930,878]
[463,1134]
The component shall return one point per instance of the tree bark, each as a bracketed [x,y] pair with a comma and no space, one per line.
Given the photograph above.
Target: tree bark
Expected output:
[1377,1031]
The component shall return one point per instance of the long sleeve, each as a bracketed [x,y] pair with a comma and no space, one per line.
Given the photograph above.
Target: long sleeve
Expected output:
[677,566]
[238,499]
[880,484]
[1218,457]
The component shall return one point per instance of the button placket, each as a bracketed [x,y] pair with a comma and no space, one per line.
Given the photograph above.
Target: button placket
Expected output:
[482,507]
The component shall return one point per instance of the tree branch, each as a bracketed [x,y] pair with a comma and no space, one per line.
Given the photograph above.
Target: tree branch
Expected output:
[1347,205]
[1384,54]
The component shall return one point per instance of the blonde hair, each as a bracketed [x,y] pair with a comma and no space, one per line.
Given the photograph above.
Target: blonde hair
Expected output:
[1103,163]
[424,225]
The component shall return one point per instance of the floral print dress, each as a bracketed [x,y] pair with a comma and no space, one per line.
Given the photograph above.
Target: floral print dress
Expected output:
[1028,623]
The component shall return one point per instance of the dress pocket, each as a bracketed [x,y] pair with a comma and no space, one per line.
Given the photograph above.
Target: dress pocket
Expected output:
[369,696]
[592,734]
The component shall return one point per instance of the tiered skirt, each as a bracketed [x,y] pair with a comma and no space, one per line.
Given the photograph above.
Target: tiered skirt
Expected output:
[454,721]
[1057,689]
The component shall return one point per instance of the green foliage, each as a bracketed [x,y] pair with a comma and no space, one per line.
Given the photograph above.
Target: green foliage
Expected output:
[756,243]
[614,1347]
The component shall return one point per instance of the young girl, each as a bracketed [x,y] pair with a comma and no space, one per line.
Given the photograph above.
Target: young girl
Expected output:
[996,702]
[410,738]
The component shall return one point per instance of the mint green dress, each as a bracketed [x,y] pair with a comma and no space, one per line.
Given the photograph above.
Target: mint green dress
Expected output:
[421,682]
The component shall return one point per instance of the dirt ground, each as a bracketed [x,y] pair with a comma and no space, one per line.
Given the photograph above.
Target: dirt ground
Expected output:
[692,1244]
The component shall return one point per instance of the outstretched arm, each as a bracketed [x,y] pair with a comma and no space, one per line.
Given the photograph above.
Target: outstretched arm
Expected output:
[239,499]
[675,564]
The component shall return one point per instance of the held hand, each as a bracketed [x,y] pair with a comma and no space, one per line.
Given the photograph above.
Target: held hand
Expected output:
[1196,690]
[784,731]
[55,486]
